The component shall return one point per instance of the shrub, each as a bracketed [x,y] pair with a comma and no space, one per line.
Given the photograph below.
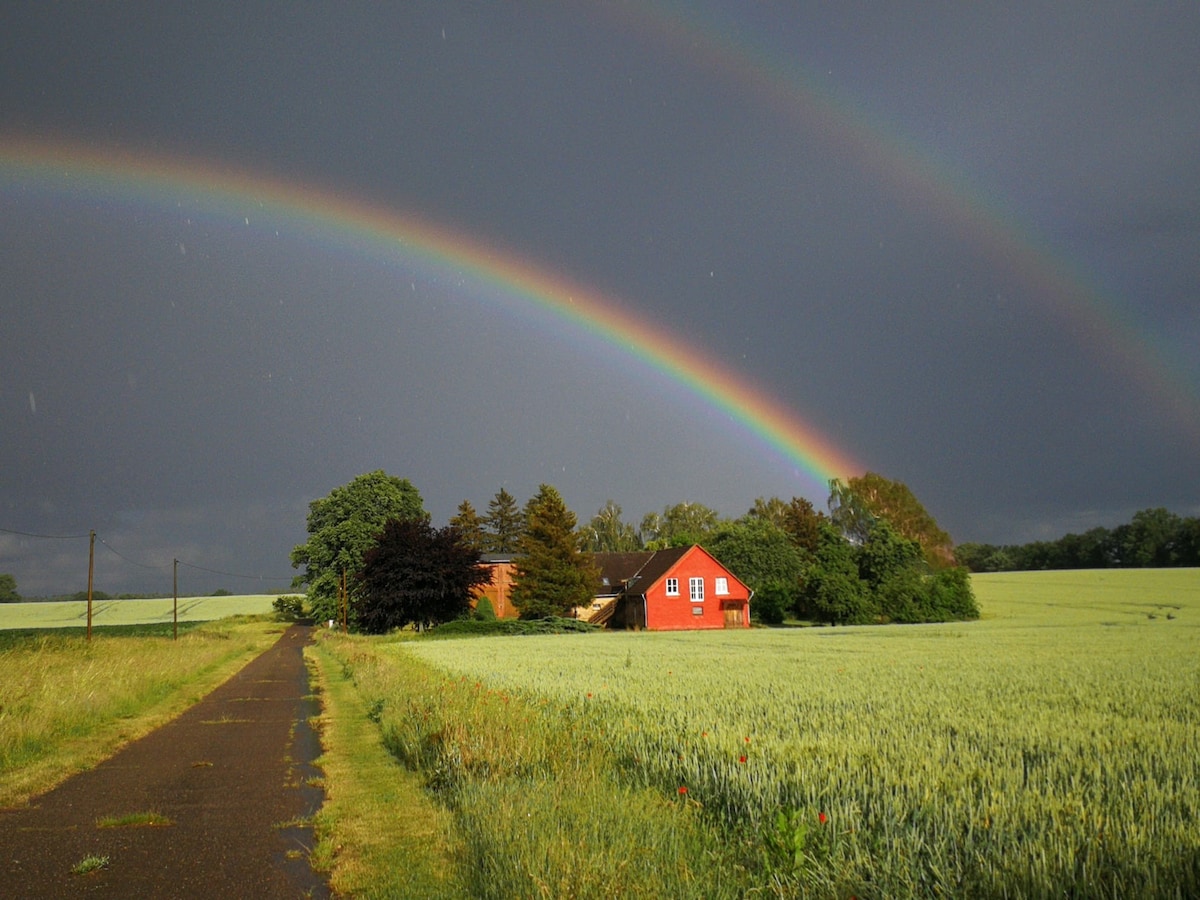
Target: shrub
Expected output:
[289,607]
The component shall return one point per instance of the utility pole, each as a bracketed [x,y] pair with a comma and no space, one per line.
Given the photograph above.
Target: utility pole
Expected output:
[344,605]
[175,605]
[91,568]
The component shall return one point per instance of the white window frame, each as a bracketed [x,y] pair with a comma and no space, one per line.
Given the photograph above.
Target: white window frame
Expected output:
[721,588]
[696,589]
[672,587]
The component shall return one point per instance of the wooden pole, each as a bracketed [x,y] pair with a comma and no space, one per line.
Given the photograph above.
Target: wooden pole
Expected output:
[175,605]
[91,569]
[345,605]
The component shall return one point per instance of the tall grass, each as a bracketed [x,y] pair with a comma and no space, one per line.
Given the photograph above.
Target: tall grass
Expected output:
[540,808]
[65,703]
[1052,748]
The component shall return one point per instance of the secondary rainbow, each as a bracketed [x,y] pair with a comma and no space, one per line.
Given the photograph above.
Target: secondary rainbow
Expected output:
[1099,319]
[158,182]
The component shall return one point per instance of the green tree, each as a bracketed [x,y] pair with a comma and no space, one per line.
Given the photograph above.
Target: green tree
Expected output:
[856,504]
[553,575]
[468,522]
[416,575]
[679,526]
[8,589]
[607,533]
[342,527]
[772,509]
[758,552]
[833,591]
[503,524]
[1151,538]
[802,522]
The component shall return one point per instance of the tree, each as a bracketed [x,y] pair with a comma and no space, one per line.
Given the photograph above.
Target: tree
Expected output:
[553,576]
[1151,538]
[342,527]
[833,591]
[468,522]
[606,533]
[8,589]
[416,575]
[802,522]
[503,524]
[759,553]
[772,509]
[679,526]
[857,504]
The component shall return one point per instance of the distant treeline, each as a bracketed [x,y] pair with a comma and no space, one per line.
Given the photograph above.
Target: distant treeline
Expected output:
[1154,538]
[101,597]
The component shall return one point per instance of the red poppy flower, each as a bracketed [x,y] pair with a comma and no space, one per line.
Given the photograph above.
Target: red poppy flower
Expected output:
[821,818]
[683,789]
[741,759]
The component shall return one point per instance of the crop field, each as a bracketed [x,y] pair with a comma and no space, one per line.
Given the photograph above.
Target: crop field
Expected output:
[71,614]
[1051,748]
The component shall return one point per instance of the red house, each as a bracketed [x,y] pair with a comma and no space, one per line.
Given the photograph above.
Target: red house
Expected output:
[669,590]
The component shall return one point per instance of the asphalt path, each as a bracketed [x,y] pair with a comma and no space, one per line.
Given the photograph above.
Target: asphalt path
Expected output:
[233,777]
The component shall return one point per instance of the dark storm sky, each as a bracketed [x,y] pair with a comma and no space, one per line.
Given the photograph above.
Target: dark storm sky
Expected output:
[960,241]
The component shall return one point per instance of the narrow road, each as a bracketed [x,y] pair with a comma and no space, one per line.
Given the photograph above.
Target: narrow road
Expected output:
[232,775]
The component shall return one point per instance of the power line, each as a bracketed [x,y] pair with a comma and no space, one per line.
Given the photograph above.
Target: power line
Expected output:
[141,565]
[236,575]
[53,537]
[132,562]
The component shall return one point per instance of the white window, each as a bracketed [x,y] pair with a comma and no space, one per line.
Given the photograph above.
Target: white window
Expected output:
[722,587]
[672,587]
[696,587]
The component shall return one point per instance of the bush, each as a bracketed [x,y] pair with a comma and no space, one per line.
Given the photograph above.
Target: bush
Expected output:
[484,611]
[289,607]
[479,627]
[771,603]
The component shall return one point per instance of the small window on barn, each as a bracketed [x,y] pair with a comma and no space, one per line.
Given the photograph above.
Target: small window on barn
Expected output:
[696,587]
[697,610]
[672,587]
[722,587]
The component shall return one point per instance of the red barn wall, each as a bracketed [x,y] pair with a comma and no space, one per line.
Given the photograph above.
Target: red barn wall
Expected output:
[665,613]
[498,590]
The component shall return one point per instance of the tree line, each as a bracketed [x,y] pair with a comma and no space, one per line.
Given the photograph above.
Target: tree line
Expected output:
[875,556]
[1154,538]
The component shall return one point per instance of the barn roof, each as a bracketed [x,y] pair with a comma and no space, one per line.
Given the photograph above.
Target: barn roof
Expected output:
[637,571]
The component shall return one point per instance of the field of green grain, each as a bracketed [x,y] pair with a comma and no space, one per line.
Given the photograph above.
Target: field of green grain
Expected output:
[70,614]
[1051,748]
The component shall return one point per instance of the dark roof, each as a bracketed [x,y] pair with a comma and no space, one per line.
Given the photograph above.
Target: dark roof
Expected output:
[618,570]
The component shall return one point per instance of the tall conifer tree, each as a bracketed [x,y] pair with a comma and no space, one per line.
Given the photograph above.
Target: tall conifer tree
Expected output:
[553,575]
[503,524]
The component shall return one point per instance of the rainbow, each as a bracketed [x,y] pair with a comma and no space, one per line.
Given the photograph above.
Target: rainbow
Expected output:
[1098,319]
[156,182]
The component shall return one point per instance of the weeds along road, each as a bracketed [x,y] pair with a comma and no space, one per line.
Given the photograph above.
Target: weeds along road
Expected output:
[228,783]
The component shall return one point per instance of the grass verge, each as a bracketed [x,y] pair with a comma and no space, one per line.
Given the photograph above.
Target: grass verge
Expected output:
[537,805]
[378,833]
[66,704]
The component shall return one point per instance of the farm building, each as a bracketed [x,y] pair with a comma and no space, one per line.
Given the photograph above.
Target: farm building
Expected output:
[498,589]
[660,590]
[668,590]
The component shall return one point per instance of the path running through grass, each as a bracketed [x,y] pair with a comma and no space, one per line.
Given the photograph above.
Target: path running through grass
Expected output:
[214,804]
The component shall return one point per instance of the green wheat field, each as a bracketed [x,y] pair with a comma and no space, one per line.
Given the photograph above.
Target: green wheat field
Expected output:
[1050,749]
[72,614]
